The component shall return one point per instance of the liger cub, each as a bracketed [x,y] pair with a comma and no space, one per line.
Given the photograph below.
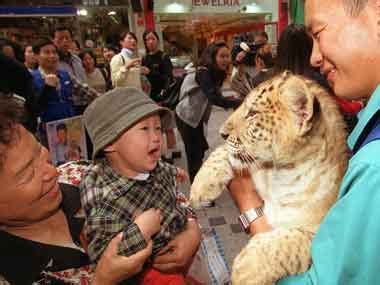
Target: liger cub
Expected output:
[288,133]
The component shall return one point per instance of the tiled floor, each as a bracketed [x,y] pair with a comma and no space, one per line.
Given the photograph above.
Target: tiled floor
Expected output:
[223,216]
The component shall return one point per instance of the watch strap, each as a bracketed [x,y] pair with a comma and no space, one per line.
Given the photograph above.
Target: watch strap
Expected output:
[249,216]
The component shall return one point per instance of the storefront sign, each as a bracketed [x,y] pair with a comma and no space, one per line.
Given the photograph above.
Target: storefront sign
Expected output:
[216,3]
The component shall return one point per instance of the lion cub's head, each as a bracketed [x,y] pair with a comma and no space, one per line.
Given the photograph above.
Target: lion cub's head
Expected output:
[283,121]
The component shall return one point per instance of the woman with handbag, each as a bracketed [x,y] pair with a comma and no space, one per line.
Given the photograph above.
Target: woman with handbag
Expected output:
[199,91]
[159,71]
[126,69]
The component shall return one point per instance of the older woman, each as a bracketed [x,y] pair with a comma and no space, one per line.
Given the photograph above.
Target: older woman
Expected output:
[96,78]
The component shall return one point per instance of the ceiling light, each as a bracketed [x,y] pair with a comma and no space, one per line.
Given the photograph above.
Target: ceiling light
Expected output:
[176,8]
[111,13]
[82,12]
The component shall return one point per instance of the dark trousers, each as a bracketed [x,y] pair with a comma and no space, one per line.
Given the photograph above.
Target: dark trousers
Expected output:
[195,145]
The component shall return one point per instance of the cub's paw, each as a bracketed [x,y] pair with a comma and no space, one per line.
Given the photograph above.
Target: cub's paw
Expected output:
[212,178]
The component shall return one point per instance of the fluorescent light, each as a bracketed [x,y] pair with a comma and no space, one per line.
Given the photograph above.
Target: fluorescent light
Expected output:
[82,12]
[111,13]
[253,8]
[176,8]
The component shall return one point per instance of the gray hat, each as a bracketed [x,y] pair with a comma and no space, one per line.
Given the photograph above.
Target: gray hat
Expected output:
[110,115]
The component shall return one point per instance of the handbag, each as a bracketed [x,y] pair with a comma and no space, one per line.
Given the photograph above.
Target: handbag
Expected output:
[169,97]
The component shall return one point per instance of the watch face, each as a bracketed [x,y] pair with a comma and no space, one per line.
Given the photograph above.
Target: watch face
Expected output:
[250,216]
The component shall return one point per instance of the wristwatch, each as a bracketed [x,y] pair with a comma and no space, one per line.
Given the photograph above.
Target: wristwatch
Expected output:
[249,216]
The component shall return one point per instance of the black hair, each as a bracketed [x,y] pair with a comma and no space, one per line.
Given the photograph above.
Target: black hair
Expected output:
[61,28]
[263,34]
[294,49]
[124,34]
[146,33]
[208,57]
[61,126]
[89,52]
[41,43]
[266,56]
[112,47]
[11,114]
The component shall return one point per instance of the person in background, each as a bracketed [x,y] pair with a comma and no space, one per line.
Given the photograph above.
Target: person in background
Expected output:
[41,239]
[55,88]
[346,51]
[97,78]
[126,69]
[30,60]
[7,49]
[192,114]
[160,75]
[109,52]
[71,63]
[264,67]
[261,38]
[75,47]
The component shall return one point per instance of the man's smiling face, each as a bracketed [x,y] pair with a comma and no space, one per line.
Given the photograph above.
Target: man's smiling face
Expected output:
[346,47]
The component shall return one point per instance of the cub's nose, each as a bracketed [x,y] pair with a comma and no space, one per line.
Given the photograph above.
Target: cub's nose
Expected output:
[224,135]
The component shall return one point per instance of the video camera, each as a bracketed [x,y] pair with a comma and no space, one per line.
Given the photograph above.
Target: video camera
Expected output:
[250,49]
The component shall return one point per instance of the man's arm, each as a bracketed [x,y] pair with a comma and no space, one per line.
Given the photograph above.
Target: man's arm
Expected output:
[179,251]
[113,268]
[242,191]
[82,93]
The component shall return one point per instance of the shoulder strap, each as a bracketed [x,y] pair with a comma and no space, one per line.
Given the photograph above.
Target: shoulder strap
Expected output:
[122,58]
[104,73]
[371,135]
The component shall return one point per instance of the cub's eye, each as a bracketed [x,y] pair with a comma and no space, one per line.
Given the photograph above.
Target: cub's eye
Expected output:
[250,114]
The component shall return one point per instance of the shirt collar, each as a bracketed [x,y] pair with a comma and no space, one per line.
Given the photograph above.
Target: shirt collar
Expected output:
[364,116]
[127,52]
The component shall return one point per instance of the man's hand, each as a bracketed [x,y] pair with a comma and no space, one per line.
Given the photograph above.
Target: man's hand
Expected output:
[178,253]
[243,192]
[149,222]
[51,80]
[113,268]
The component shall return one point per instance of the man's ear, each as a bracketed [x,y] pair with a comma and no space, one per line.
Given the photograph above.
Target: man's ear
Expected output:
[300,102]
[110,148]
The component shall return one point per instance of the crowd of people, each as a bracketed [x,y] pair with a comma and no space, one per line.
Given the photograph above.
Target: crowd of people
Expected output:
[120,218]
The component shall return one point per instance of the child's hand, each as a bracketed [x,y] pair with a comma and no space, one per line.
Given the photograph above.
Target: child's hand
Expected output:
[149,222]
[181,175]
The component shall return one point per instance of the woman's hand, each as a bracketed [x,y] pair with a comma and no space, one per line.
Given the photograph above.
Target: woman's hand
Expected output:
[178,253]
[113,268]
[145,70]
[133,63]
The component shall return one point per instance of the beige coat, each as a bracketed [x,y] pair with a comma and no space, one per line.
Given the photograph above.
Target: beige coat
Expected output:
[122,76]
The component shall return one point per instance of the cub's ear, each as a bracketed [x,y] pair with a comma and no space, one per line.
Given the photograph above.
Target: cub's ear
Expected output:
[300,102]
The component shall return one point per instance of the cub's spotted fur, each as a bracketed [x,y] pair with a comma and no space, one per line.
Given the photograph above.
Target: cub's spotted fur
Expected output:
[291,137]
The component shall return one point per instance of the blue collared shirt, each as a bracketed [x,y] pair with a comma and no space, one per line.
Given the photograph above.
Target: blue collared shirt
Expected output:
[346,248]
